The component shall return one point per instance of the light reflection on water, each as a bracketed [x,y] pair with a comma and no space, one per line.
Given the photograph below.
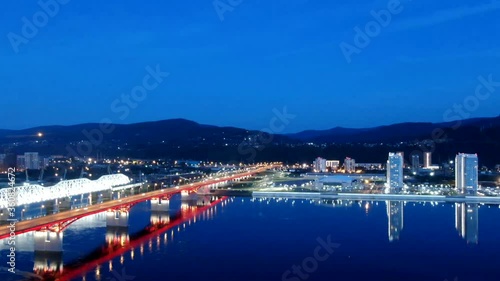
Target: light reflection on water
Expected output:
[390,240]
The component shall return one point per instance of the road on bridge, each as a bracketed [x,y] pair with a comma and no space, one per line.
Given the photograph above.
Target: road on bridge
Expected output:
[54,219]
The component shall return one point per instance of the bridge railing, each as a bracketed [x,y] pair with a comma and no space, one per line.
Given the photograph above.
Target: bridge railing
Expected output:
[33,193]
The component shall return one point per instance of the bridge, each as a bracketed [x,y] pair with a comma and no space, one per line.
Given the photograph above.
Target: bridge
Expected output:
[118,241]
[56,223]
[34,193]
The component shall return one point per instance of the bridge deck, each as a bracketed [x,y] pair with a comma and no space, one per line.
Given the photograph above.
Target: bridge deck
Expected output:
[50,220]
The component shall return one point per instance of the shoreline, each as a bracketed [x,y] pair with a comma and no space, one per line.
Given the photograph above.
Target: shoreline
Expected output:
[376,197]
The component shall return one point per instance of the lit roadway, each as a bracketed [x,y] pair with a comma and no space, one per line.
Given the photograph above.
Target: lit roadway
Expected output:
[61,218]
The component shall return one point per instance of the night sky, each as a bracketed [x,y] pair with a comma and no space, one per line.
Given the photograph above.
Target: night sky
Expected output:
[232,63]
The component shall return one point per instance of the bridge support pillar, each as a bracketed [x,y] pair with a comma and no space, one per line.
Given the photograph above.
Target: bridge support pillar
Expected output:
[117,218]
[117,227]
[189,201]
[48,241]
[160,205]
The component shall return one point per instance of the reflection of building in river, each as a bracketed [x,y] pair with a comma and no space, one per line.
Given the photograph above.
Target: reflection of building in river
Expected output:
[395,219]
[467,221]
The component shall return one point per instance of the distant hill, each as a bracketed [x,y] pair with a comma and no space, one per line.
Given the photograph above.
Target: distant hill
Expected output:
[401,132]
[337,132]
[172,138]
[173,130]
[180,138]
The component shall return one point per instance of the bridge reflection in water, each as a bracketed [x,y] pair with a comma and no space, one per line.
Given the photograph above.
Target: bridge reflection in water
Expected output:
[47,245]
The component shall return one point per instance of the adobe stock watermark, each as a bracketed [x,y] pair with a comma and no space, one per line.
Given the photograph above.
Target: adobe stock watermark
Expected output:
[223,6]
[11,212]
[363,37]
[31,26]
[122,107]
[471,103]
[460,111]
[310,264]
[265,136]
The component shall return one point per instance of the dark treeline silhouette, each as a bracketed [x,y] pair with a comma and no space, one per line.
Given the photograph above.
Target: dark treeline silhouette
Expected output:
[183,139]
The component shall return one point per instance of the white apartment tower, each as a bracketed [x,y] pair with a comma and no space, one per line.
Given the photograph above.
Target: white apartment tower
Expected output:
[395,171]
[466,173]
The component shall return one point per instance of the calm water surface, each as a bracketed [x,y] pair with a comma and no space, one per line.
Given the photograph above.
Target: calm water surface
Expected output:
[252,239]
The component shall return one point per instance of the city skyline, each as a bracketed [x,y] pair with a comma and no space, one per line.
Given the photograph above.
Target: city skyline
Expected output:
[358,140]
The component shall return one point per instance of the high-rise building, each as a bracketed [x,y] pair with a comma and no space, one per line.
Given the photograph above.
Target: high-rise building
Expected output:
[3,165]
[466,173]
[415,163]
[32,160]
[349,165]
[320,165]
[403,156]
[21,162]
[395,171]
[46,161]
[427,159]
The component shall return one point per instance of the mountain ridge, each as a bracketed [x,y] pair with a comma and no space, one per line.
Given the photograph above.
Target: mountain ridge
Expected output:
[188,128]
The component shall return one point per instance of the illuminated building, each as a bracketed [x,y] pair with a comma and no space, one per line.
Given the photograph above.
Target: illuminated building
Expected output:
[31,160]
[319,165]
[334,164]
[466,173]
[349,165]
[395,171]
[415,163]
[427,159]
[21,162]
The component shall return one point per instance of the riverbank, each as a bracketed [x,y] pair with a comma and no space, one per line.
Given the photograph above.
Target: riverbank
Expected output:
[376,197]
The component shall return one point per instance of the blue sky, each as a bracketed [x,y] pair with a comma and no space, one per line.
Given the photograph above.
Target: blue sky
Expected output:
[263,55]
